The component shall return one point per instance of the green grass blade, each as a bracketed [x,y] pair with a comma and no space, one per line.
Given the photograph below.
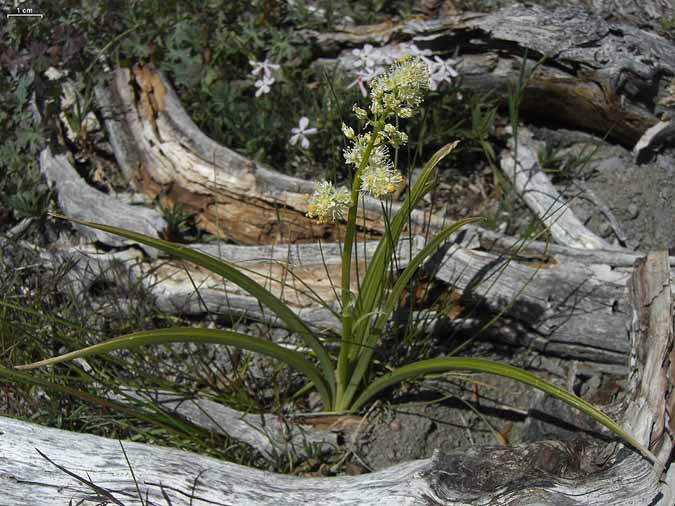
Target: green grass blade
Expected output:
[372,287]
[171,424]
[436,365]
[213,336]
[370,340]
[373,280]
[233,274]
[414,264]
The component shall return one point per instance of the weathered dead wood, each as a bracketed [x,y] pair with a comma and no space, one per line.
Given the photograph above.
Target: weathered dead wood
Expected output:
[79,200]
[164,154]
[636,12]
[473,237]
[650,322]
[568,309]
[543,473]
[271,435]
[535,188]
[663,133]
[598,75]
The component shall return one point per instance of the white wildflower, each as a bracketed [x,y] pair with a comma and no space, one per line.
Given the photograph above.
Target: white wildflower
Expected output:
[414,51]
[395,137]
[367,57]
[360,113]
[348,131]
[263,85]
[327,203]
[300,134]
[399,91]
[363,77]
[266,68]
[441,71]
[355,153]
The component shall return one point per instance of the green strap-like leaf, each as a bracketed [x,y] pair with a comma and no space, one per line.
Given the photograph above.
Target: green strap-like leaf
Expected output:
[372,287]
[373,280]
[370,341]
[233,274]
[436,365]
[214,336]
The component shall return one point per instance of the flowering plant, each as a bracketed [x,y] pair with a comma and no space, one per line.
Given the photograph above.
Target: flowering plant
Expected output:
[264,70]
[301,133]
[395,95]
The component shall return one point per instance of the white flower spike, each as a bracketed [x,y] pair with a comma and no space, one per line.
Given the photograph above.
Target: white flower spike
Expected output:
[300,134]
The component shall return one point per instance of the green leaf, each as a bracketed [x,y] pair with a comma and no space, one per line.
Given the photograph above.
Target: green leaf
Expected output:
[370,341]
[233,274]
[373,280]
[190,335]
[444,364]
[372,287]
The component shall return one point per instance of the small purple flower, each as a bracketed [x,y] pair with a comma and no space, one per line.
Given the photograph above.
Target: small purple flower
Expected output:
[363,77]
[301,133]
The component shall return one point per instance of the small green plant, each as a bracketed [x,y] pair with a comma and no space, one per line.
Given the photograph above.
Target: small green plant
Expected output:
[667,24]
[178,222]
[341,382]
[21,186]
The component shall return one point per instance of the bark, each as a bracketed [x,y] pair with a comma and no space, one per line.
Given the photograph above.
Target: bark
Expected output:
[269,434]
[565,308]
[164,154]
[636,12]
[521,167]
[79,200]
[603,76]
[544,473]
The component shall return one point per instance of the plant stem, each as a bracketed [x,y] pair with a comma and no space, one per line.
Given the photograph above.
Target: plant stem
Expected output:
[347,310]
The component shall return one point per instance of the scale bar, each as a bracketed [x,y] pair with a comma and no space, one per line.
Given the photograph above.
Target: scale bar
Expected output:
[25,15]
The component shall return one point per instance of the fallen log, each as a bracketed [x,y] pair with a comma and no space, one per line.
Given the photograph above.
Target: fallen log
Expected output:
[164,153]
[575,310]
[521,167]
[567,309]
[580,472]
[597,74]
[79,200]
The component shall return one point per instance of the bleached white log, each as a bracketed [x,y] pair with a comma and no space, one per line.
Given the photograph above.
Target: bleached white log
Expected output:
[79,200]
[543,474]
[535,188]
[269,434]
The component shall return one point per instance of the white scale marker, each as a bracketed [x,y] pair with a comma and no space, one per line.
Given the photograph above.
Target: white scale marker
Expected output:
[22,12]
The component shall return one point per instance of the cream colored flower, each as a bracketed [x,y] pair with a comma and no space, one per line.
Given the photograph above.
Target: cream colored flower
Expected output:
[380,181]
[361,114]
[395,137]
[400,90]
[348,131]
[327,203]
